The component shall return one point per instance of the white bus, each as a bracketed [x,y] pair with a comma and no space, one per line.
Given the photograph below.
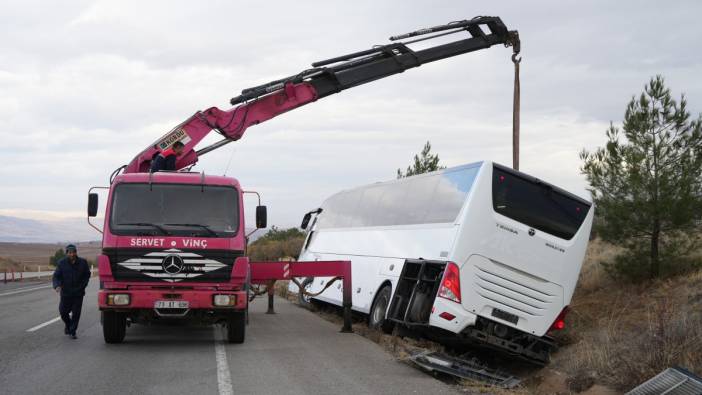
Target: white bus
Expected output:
[480,253]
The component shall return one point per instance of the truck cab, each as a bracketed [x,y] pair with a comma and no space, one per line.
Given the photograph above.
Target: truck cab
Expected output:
[173,248]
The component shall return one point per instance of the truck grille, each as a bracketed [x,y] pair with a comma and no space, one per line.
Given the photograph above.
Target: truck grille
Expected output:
[172,265]
[511,292]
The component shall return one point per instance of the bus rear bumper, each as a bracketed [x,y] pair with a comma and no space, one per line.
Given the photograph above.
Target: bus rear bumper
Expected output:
[450,316]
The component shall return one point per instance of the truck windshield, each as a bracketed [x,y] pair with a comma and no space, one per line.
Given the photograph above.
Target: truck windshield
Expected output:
[175,210]
[537,204]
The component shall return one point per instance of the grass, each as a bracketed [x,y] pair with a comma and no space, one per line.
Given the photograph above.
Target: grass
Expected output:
[7,264]
[623,334]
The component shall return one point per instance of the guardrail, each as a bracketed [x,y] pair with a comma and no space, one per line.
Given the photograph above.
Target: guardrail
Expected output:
[11,275]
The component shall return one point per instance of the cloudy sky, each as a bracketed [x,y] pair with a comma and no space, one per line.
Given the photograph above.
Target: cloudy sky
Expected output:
[86,85]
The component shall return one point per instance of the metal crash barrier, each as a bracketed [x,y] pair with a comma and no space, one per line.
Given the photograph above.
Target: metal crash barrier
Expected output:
[267,273]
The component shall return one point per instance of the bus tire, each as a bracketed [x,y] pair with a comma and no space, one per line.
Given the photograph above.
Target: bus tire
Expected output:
[377,319]
[114,326]
[236,327]
[420,309]
[304,300]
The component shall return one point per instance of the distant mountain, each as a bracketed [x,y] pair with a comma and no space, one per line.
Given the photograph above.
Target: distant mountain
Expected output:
[23,230]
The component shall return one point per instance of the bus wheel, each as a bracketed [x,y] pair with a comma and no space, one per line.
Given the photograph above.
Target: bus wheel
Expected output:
[378,313]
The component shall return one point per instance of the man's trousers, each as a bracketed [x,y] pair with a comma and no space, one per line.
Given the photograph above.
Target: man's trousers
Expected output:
[71,305]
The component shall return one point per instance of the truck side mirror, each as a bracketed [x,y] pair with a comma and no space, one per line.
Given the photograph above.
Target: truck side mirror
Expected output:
[306,220]
[261,217]
[92,204]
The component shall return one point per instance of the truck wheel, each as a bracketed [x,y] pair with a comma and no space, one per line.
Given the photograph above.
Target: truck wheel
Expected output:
[378,313]
[236,327]
[305,300]
[114,326]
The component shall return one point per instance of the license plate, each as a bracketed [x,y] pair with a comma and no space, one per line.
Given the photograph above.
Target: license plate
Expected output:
[171,304]
[503,315]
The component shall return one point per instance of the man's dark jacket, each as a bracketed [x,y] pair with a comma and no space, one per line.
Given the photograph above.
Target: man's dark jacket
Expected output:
[72,277]
[164,161]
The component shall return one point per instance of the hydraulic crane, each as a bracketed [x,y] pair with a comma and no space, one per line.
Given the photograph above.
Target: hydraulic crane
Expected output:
[261,103]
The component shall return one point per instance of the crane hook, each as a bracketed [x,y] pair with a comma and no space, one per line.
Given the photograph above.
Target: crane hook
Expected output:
[515,59]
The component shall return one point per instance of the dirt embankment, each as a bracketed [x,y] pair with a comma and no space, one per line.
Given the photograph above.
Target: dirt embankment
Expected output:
[617,335]
[18,256]
[623,334]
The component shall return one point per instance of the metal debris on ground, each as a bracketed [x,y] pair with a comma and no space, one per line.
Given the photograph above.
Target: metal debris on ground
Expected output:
[466,369]
[672,381]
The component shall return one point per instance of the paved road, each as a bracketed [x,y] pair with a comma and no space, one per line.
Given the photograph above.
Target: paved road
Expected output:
[292,352]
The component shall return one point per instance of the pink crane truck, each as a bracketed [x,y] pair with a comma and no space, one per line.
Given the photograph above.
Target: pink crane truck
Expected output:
[174,242]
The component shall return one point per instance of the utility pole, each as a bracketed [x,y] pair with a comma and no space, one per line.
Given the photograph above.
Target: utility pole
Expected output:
[515,113]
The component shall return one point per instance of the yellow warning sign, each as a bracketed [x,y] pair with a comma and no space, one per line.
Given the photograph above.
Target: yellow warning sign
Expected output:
[177,135]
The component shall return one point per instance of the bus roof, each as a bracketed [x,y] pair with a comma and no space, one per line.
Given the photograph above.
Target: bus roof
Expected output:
[409,178]
[163,177]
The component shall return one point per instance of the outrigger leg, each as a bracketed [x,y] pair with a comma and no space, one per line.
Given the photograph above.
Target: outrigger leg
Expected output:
[268,272]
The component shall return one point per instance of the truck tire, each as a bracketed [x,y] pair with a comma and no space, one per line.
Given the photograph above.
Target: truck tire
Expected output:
[114,326]
[378,312]
[236,327]
[304,300]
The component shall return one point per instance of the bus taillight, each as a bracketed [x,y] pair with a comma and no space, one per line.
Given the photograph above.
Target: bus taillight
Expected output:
[451,283]
[559,323]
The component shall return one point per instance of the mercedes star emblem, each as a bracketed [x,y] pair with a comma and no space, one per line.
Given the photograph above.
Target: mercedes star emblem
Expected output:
[172,264]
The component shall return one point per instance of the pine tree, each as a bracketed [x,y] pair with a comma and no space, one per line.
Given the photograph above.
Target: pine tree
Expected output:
[58,255]
[423,163]
[646,183]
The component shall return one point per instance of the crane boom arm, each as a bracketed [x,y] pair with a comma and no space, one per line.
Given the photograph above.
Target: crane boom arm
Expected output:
[261,103]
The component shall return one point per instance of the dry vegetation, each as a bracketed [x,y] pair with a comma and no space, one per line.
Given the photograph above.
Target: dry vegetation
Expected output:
[623,334]
[9,265]
[618,335]
[17,256]
[276,244]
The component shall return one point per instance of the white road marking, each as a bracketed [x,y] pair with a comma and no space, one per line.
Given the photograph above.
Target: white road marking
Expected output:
[224,379]
[25,290]
[43,325]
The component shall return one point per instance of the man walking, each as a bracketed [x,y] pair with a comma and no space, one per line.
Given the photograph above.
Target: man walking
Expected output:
[70,280]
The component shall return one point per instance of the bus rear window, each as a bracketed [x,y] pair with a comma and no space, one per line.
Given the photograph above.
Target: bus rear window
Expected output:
[537,204]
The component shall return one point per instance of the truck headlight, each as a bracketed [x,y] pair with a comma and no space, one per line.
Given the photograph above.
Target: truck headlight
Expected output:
[118,299]
[224,300]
